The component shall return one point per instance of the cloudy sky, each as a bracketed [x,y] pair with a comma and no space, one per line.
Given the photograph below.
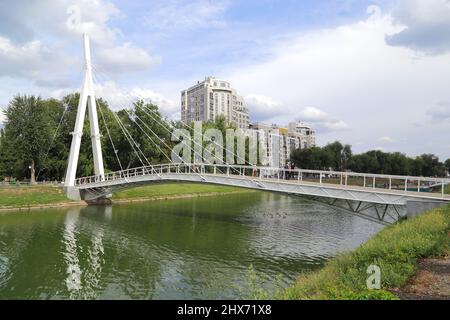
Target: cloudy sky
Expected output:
[374,74]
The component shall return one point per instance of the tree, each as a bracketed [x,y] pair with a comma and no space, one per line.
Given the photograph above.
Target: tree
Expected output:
[447,166]
[311,158]
[28,128]
[346,155]
[431,166]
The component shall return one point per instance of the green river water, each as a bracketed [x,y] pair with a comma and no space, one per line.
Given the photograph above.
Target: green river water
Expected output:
[199,248]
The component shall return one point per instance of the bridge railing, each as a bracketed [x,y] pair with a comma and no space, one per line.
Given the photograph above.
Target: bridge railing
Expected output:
[343,179]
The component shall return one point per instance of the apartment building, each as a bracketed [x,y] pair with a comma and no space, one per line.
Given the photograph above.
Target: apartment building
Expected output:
[212,98]
[281,141]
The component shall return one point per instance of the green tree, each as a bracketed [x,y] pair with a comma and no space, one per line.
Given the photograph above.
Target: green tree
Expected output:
[431,166]
[28,128]
[447,165]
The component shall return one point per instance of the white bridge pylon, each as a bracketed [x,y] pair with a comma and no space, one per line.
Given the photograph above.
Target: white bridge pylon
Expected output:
[87,99]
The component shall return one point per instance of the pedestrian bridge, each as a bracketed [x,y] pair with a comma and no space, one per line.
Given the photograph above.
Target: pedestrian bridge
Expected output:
[385,196]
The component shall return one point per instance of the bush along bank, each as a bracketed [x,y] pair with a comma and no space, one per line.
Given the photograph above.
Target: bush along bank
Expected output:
[395,250]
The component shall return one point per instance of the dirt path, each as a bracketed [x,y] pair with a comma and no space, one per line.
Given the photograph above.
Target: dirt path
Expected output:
[431,282]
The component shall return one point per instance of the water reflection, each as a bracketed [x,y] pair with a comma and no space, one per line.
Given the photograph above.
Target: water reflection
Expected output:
[188,248]
[73,280]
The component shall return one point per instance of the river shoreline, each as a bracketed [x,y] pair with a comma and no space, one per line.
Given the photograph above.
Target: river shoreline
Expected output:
[119,201]
[397,249]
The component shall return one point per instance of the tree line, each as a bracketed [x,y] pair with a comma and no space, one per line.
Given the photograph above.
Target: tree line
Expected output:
[338,157]
[37,133]
[36,137]
[32,149]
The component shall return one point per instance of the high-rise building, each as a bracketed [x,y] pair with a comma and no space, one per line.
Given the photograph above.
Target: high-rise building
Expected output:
[280,141]
[212,98]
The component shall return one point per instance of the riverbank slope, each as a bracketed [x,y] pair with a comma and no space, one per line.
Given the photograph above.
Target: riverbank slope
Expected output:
[396,250]
[44,196]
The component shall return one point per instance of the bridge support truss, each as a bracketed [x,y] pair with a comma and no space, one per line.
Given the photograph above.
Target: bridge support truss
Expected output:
[381,213]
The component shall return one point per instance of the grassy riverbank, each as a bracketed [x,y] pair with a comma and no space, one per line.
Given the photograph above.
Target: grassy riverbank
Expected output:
[395,250]
[174,190]
[49,195]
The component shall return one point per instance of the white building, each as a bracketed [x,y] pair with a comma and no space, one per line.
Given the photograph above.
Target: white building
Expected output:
[211,98]
[280,141]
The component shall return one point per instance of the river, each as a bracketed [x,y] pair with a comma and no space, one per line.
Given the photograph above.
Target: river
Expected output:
[200,248]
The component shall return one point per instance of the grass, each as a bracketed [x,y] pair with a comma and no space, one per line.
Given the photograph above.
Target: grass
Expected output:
[395,250]
[173,189]
[25,195]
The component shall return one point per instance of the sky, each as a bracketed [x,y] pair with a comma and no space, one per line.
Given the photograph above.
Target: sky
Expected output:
[373,74]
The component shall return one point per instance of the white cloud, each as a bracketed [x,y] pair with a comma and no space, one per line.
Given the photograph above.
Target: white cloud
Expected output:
[336,125]
[440,112]
[31,60]
[40,47]
[321,120]
[172,14]
[119,98]
[262,107]
[386,139]
[314,114]
[126,58]
[426,25]
[356,78]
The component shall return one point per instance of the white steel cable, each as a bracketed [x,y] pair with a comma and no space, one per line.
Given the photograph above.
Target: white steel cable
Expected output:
[110,138]
[55,135]
[128,93]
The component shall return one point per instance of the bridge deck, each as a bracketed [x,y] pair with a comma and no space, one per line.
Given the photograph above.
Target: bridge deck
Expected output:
[302,182]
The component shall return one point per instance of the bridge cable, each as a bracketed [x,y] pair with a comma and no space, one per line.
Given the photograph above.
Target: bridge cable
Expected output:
[146,111]
[164,125]
[110,139]
[123,128]
[66,107]
[143,122]
[128,93]
[135,115]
